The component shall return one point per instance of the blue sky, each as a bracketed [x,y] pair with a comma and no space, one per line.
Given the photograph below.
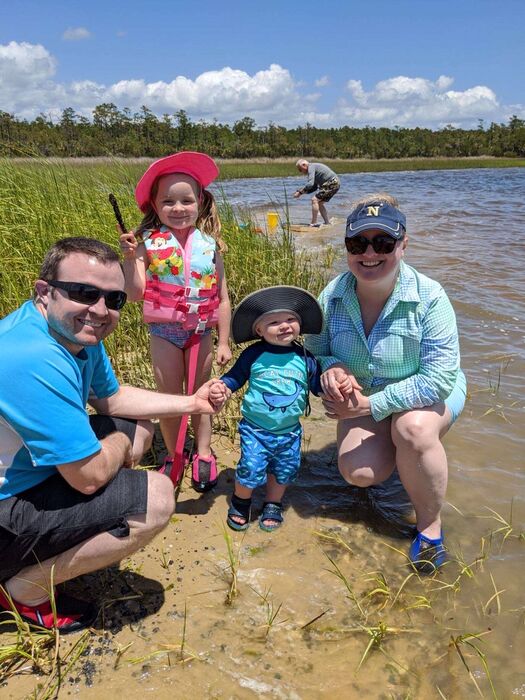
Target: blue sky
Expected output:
[384,63]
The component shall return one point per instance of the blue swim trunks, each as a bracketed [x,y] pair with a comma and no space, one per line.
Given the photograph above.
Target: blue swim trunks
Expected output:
[264,452]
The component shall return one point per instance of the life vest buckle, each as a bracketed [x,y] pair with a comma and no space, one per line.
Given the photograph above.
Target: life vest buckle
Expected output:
[201,327]
[193,308]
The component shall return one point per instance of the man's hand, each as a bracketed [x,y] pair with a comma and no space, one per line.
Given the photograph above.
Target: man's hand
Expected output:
[207,401]
[297,194]
[338,383]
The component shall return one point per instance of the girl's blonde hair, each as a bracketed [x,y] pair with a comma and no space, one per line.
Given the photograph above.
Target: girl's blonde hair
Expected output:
[375,197]
[208,220]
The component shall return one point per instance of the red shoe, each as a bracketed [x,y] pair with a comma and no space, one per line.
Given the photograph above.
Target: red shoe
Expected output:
[72,614]
[204,473]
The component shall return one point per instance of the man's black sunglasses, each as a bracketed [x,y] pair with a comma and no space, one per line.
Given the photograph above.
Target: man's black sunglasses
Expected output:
[382,244]
[88,294]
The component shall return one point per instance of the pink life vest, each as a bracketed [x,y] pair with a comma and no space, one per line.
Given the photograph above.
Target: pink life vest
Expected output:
[181,281]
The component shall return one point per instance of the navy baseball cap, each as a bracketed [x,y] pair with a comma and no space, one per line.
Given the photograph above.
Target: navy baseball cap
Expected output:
[379,215]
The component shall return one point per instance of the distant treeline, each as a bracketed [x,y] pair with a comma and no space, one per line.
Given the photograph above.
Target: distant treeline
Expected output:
[115,132]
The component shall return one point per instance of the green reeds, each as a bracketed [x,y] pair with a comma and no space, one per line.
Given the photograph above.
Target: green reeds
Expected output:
[37,650]
[458,644]
[271,611]
[234,562]
[44,200]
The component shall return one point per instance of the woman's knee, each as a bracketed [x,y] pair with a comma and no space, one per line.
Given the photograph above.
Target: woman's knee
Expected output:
[363,476]
[415,429]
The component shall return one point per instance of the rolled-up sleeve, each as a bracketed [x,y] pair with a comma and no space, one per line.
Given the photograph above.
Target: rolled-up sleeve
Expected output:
[439,360]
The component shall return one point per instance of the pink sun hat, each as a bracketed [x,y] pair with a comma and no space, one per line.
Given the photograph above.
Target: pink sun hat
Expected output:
[199,166]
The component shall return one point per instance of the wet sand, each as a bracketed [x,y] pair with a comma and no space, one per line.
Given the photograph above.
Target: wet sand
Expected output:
[328,578]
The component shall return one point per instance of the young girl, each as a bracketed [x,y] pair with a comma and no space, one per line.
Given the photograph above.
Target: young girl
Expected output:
[172,261]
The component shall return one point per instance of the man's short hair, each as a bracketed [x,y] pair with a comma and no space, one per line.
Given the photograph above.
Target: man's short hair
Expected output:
[301,162]
[75,244]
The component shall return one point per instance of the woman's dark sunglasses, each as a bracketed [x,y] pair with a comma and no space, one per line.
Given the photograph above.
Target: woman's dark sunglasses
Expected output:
[87,294]
[382,244]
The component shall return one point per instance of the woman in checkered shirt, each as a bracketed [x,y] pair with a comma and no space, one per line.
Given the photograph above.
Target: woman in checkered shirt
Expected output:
[394,330]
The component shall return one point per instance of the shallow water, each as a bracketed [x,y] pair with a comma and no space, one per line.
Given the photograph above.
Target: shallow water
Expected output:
[466,231]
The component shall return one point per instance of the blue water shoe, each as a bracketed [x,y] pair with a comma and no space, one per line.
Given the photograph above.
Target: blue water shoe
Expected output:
[427,555]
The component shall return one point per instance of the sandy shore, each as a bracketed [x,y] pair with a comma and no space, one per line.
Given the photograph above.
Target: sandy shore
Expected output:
[165,609]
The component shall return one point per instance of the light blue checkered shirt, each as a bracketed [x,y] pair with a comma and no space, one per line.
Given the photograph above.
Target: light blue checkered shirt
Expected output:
[411,356]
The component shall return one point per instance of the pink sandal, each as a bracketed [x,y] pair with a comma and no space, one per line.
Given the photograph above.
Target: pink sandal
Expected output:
[204,473]
[173,470]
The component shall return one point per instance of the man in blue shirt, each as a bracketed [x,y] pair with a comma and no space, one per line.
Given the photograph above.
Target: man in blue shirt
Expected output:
[69,504]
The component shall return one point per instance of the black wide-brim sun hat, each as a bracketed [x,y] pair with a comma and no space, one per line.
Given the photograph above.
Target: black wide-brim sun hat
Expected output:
[270,299]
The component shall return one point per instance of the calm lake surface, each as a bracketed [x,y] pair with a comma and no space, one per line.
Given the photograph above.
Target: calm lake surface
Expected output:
[327,607]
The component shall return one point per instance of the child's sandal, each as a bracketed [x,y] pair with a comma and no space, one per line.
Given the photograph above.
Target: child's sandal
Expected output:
[271,511]
[240,509]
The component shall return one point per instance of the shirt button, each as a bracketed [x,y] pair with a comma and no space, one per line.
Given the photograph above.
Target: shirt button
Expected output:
[370,366]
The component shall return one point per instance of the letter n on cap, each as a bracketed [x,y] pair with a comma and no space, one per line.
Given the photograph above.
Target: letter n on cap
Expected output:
[373,211]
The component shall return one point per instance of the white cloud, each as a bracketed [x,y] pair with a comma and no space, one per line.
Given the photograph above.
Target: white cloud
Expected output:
[28,86]
[76,34]
[26,72]
[323,81]
[406,101]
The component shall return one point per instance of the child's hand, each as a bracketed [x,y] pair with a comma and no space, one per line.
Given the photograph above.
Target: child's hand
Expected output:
[347,385]
[224,354]
[128,244]
[219,392]
[338,383]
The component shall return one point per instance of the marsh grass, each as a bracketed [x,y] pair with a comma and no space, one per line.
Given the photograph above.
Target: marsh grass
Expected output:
[458,596]
[45,200]
[497,404]
[233,553]
[271,611]
[462,644]
[34,649]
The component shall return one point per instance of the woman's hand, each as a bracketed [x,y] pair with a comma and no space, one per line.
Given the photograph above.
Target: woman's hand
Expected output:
[355,406]
[338,383]
[223,354]
[128,244]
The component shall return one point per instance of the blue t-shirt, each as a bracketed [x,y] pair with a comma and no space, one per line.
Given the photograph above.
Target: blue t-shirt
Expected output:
[279,380]
[43,394]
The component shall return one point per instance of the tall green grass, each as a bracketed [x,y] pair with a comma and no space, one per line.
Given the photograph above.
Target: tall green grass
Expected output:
[43,201]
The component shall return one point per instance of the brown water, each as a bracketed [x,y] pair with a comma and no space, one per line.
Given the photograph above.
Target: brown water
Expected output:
[316,575]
